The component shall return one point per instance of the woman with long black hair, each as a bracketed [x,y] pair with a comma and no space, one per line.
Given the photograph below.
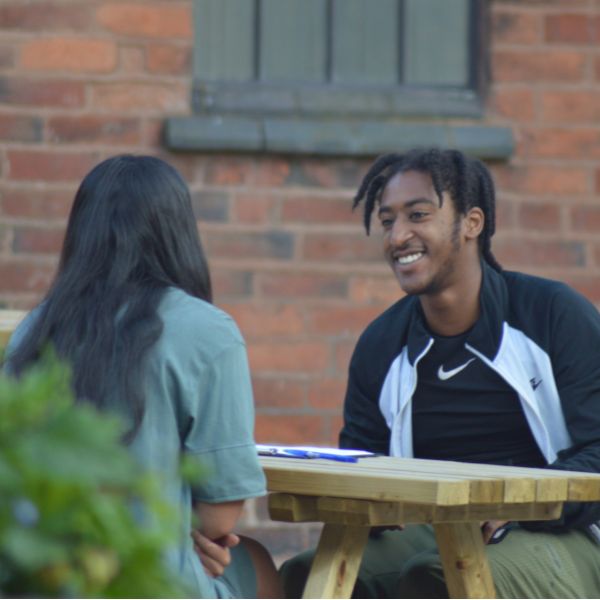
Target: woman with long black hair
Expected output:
[130,311]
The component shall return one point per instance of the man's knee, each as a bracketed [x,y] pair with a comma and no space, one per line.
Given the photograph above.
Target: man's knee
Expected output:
[422,577]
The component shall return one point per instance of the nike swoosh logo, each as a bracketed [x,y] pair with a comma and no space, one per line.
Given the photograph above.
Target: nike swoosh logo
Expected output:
[443,375]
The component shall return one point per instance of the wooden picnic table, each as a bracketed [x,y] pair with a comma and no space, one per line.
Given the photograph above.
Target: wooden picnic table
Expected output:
[9,319]
[350,498]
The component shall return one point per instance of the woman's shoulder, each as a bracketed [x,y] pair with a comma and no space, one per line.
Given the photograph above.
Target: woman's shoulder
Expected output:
[186,317]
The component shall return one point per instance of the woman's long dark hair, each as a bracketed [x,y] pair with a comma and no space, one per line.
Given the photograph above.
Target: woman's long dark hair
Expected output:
[131,234]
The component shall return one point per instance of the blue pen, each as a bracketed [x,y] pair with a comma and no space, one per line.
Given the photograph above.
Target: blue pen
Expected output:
[294,453]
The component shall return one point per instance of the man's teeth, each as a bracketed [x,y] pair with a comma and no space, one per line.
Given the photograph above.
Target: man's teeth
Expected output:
[410,258]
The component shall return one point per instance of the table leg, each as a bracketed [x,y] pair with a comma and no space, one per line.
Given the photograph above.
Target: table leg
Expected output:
[466,568]
[337,561]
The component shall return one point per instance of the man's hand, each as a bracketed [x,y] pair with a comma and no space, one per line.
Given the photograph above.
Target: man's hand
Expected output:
[488,528]
[214,554]
[379,529]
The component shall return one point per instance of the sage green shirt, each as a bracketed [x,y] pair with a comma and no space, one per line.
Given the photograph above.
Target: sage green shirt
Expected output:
[198,400]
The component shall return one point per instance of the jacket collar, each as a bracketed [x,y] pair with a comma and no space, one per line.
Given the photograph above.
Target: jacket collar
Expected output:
[486,335]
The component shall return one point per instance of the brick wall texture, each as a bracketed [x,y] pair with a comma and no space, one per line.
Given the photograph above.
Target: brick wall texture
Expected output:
[84,79]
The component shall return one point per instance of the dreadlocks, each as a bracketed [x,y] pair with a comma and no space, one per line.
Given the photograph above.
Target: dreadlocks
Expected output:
[467,180]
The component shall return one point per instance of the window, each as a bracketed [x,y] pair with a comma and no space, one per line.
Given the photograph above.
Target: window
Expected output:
[337,76]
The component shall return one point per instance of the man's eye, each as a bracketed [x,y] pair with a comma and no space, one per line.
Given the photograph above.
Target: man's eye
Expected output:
[387,223]
[417,215]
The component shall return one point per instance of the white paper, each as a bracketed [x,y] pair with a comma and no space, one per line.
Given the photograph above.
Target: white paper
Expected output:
[277,450]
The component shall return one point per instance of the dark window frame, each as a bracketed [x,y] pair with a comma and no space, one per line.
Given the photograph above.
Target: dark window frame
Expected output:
[333,118]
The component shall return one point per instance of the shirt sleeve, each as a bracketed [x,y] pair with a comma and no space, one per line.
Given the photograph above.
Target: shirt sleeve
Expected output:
[220,431]
[575,356]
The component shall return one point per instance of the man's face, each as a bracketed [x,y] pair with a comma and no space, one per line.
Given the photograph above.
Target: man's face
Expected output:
[421,238]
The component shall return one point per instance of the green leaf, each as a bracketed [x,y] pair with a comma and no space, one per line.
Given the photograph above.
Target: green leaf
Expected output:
[30,550]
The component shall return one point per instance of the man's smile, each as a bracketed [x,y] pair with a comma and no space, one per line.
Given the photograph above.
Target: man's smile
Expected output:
[408,259]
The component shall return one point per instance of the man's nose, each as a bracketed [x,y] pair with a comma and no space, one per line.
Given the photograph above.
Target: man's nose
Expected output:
[401,233]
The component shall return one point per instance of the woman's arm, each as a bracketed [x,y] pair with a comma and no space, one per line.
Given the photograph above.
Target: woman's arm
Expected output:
[217,520]
[214,536]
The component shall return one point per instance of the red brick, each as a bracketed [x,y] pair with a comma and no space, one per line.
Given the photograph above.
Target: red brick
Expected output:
[278,393]
[231,284]
[514,104]
[532,66]
[266,319]
[597,66]
[333,426]
[290,356]
[343,352]
[569,28]
[585,218]
[289,429]
[136,97]
[588,286]
[153,131]
[301,285]
[596,254]
[505,212]
[340,320]
[7,57]
[343,247]
[598,181]
[155,21]
[94,130]
[253,207]
[383,290]
[45,16]
[270,172]
[318,209]
[327,393]
[327,174]
[570,106]
[50,93]
[561,143]
[516,27]
[543,179]
[241,244]
[69,54]
[38,240]
[538,216]
[227,170]
[132,60]
[18,128]
[25,275]
[33,202]
[544,4]
[169,59]
[515,253]
[48,165]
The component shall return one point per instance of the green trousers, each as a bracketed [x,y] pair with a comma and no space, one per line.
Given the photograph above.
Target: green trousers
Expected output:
[406,564]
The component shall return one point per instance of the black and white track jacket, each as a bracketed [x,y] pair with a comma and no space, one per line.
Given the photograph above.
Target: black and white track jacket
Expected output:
[541,336]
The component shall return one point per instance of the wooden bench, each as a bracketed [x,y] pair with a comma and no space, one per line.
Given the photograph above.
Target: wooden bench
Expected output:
[350,498]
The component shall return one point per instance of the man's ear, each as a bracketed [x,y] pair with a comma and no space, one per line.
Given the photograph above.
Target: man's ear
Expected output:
[473,223]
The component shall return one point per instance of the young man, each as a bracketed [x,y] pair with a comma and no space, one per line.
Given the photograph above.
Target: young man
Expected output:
[473,364]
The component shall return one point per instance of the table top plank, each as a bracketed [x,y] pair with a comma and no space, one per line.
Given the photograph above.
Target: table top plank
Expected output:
[320,477]
[442,483]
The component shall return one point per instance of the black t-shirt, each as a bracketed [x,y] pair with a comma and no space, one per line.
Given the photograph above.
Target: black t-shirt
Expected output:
[463,410]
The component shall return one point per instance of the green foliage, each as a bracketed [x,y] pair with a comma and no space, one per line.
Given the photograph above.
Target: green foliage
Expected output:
[68,497]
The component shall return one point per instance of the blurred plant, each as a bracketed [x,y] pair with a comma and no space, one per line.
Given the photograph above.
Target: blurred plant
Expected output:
[67,492]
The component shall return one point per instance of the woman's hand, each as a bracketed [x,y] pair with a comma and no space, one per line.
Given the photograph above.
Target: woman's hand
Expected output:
[214,554]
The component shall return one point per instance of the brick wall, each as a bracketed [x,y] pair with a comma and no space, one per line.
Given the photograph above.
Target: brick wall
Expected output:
[84,79]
